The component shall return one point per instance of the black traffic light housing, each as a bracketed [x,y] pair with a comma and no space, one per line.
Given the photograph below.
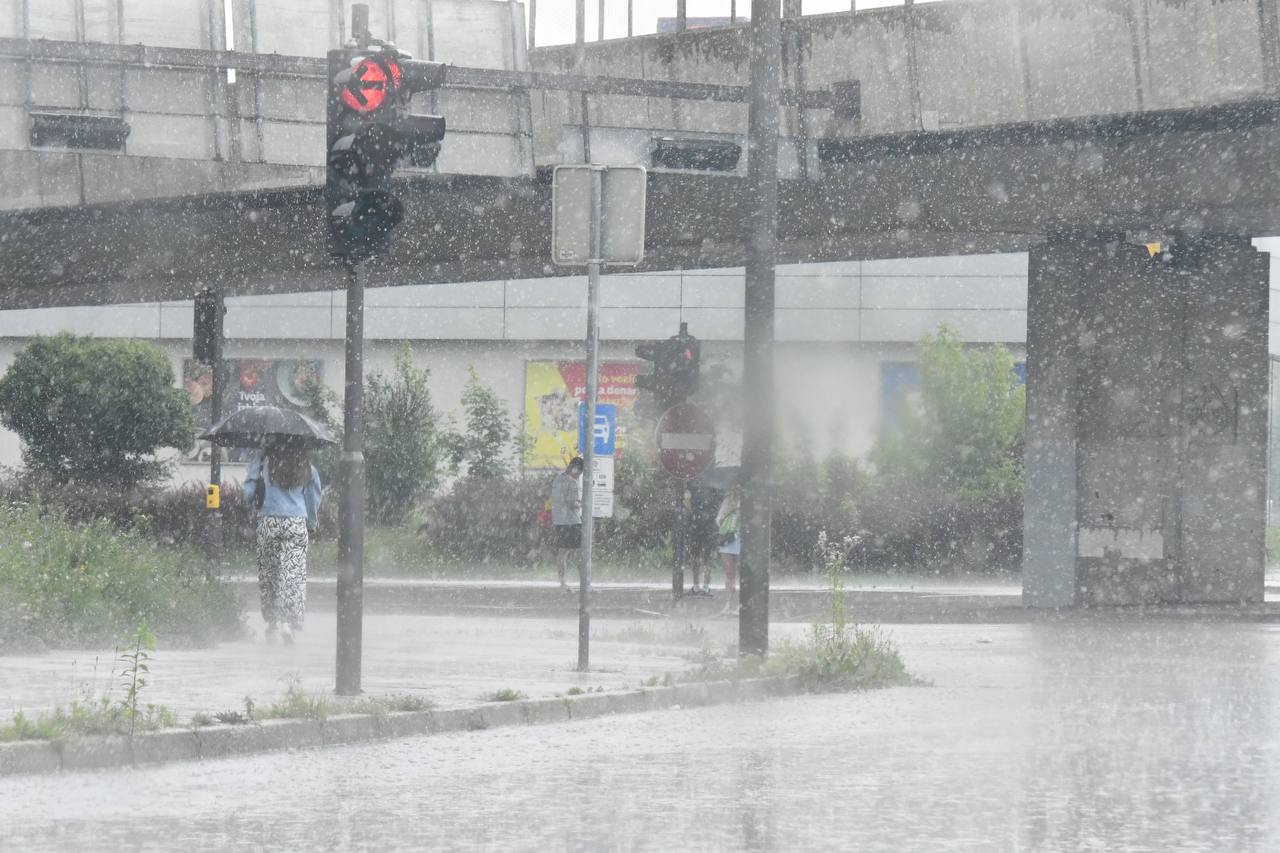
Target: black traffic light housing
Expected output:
[207,328]
[676,365]
[370,132]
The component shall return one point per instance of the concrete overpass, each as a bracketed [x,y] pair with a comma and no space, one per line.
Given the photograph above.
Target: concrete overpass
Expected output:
[1075,130]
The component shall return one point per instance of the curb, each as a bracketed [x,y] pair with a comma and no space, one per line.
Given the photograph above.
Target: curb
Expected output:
[224,741]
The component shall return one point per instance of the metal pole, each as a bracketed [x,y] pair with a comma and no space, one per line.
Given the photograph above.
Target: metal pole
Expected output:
[351,484]
[215,415]
[757,440]
[682,15]
[589,440]
[678,532]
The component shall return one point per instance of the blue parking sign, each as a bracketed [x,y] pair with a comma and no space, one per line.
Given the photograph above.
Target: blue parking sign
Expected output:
[606,428]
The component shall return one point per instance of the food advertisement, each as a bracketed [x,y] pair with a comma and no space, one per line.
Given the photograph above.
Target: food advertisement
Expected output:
[552,392]
[249,382]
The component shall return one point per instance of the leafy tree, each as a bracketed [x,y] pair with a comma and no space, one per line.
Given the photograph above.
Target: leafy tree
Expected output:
[402,445]
[965,437]
[321,403]
[485,444]
[948,483]
[95,411]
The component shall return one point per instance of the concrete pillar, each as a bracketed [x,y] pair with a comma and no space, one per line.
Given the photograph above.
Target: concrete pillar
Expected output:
[1146,422]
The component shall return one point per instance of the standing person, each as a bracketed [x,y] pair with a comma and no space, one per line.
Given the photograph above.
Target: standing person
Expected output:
[566,514]
[729,524]
[285,489]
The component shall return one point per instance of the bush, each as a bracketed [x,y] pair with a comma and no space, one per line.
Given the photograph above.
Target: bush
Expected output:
[949,474]
[89,584]
[174,517]
[94,411]
[484,445]
[401,449]
[488,519]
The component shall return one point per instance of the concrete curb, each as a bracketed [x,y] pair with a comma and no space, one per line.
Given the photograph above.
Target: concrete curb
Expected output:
[223,741]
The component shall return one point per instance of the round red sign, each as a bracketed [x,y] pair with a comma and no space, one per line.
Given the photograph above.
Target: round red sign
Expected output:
[686,441]
[370,84]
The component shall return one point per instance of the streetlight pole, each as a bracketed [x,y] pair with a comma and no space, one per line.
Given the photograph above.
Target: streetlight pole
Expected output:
[762,236]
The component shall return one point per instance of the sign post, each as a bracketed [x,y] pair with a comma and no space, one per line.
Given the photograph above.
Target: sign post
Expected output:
[606,436]
[597,217]
[686,447]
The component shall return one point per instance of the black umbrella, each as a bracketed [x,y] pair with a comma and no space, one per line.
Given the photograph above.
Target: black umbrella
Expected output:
[269,426]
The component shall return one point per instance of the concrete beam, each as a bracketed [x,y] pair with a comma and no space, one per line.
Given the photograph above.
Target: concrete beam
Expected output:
[992,189]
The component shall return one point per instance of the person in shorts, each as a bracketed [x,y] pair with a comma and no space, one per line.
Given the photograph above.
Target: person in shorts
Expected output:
[566,515]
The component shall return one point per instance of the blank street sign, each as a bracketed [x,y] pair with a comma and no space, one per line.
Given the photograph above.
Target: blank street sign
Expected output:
[622,238]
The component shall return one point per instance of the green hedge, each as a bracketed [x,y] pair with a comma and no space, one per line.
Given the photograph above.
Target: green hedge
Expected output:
[69,584]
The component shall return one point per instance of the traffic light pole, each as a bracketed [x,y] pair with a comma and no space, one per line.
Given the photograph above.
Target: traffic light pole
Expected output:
[589,440]
[351,484]
[215,415]
[679,532]
[757,372]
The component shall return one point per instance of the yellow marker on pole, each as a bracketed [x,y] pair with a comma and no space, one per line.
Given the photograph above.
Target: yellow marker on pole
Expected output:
[1153,249]
[212,497]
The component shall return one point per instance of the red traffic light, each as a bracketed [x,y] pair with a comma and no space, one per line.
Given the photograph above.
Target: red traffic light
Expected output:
[370,83]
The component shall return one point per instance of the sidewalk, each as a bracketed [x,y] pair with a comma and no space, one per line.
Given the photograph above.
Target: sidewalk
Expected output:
[789,601]
[454,661]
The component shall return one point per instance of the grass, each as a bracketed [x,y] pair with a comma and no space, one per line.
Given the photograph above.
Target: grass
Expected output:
[506,694]
[835,656]
[102,716]
[87,716]
[661,633]
[64,584]
[301,704]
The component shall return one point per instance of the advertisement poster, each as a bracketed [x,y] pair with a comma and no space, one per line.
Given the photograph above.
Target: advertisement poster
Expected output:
[249,382]
[552,392]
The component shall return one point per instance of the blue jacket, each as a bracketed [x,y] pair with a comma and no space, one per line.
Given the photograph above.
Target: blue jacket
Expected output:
[303,502]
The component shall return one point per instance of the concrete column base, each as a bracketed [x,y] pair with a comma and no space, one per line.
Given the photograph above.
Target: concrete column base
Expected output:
[1146,422]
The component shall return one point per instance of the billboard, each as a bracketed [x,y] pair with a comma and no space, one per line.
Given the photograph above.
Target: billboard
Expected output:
[279,382]
[552,392]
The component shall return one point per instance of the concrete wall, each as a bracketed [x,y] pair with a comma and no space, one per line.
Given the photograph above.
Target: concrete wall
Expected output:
[929,66]
[837,323]
[1147,423]
[943,65]
[196,131]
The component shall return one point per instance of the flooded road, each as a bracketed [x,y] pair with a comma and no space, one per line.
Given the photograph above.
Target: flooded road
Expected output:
[1080,736]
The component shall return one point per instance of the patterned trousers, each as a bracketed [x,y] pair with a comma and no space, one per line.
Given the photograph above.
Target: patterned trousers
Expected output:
[282,569]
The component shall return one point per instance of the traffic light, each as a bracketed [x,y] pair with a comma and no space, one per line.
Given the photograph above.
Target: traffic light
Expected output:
[207,328]
[686,361]
[676,363]
[370,132]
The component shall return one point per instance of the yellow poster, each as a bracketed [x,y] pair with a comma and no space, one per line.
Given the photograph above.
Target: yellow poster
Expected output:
[553,391]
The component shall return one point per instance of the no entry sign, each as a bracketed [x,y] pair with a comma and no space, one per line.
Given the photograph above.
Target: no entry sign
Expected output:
[370,83]
[686,441]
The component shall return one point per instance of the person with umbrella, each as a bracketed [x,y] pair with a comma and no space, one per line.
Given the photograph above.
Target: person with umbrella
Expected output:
[284,488]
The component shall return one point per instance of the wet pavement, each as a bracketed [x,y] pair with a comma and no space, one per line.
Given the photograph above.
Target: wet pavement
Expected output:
[1086,735]
[453,661]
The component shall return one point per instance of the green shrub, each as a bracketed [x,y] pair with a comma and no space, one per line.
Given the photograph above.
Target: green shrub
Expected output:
[88,584]
[401,446]
[484,445]
[948,484]
[94,411]
[482,519]
[88,716]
